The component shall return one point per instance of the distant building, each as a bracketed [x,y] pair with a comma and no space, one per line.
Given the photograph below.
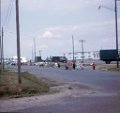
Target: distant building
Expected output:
[87,55]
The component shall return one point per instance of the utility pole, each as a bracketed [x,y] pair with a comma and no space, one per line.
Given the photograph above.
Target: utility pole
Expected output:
[116,30]
[0,55]
[40,53]
[18,42]
[32,54]
[2,50]
[34,49]
[0,40]
[73,47]
[116,33]
[82,48]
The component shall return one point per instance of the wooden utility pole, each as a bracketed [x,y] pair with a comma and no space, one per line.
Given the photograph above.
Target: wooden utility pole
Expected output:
[0,40]
[116,33]
[18,42]
[73,48]
[0,55]
[34,49]
[32,55]
[2,50]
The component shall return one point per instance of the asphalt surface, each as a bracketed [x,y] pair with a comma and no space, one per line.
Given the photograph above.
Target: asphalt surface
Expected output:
[80,105]
[108,82]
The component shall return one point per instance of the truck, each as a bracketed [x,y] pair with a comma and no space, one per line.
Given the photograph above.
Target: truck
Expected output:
[109,55]
[57,59]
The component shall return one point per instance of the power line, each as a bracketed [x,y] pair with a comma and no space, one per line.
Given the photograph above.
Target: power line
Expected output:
[13,33]
[9,11]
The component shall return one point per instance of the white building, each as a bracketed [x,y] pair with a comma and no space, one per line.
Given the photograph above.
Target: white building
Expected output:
[23,59]
[87,55]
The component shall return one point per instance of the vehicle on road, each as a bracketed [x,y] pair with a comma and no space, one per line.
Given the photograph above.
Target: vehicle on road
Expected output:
[42,63]
[57,59]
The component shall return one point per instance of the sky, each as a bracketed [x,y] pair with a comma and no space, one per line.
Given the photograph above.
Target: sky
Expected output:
[50,25]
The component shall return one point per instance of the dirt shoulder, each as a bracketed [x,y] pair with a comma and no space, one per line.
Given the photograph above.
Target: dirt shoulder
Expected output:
[56,94]
[68,90]
[33,91]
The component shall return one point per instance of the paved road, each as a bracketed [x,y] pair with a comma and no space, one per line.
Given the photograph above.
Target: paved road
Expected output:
[106,81]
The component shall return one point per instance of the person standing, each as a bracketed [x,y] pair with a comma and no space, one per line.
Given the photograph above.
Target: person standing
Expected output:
[74,65]
[81,66]
[93,65]
[58,64]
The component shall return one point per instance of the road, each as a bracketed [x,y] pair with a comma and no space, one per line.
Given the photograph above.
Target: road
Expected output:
[107,82]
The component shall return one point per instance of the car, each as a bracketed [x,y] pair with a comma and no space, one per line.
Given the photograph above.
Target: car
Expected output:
[39,63]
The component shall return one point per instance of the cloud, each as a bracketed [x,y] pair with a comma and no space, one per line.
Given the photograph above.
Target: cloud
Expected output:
[82,28]
[47,34]
[89,31]
[102,32]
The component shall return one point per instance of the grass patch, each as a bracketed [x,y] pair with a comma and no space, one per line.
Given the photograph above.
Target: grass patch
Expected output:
[108,67]
[31,85]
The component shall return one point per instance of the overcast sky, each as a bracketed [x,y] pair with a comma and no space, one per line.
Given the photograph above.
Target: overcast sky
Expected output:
[53,22]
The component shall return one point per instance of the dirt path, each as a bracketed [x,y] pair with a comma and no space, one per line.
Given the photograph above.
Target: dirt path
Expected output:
[72,89]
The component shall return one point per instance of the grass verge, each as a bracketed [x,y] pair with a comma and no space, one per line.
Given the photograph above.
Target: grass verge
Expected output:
[108,67]
[30,86]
